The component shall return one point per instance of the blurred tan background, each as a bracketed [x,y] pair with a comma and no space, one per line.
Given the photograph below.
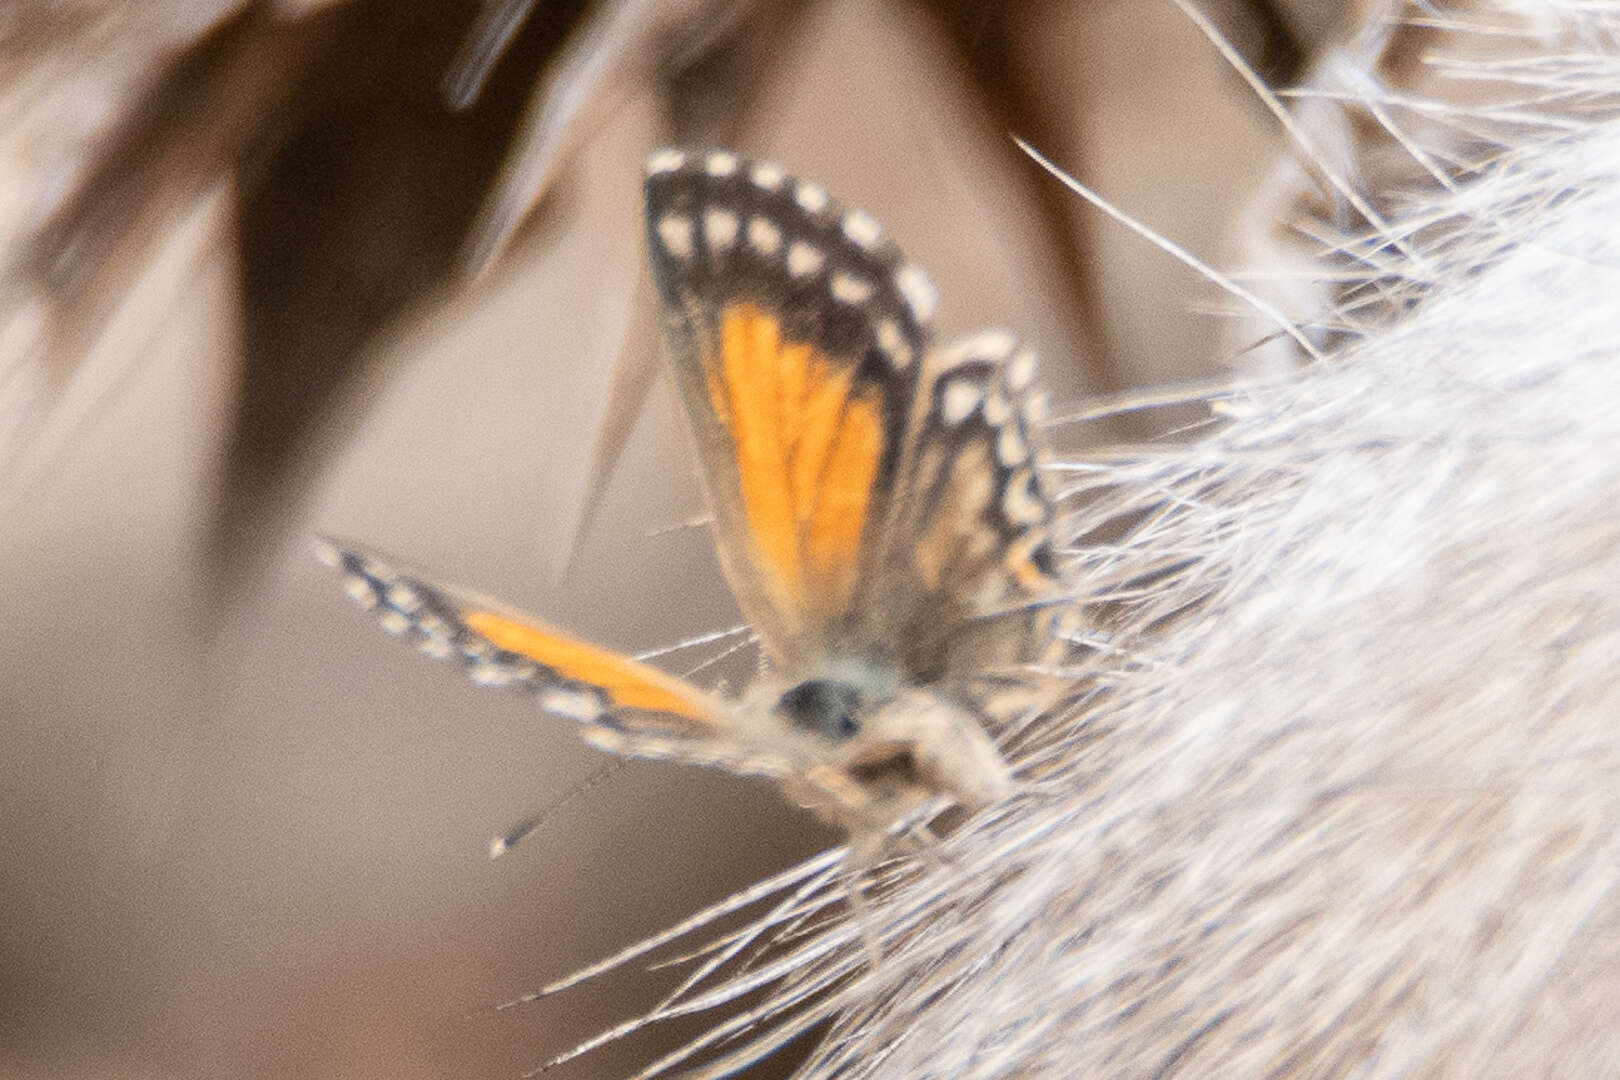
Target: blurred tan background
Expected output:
[244,831]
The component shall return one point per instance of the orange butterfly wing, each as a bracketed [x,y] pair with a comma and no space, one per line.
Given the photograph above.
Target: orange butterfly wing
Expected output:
[570,677]
[797,336]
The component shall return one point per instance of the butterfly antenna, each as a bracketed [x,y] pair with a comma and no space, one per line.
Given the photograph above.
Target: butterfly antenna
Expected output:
[510,839]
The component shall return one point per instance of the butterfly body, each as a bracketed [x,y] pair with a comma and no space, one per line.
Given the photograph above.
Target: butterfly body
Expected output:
[872,749]
[877,503]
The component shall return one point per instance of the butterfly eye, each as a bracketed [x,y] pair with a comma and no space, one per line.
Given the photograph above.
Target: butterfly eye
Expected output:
[825,706]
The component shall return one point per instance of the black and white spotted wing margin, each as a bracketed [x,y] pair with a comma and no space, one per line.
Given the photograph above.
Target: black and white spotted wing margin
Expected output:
[628,708]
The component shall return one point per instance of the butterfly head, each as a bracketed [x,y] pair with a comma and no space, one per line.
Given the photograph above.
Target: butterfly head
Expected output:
[876,749]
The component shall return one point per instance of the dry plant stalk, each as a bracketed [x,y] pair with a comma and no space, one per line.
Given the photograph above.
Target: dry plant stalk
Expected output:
[1336,790]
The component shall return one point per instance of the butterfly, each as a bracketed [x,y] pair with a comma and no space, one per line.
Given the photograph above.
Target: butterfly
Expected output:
[878,510]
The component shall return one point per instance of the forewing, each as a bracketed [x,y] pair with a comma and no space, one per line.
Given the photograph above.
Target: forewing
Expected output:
[797,335]
[628,707]
[970,541]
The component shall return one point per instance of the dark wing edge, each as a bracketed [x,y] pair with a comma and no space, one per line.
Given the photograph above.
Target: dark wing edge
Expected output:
[628,707]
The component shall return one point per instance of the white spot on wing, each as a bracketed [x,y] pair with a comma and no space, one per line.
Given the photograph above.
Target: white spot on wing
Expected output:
[862,229]
[893,342]
[992,344]
[360,590]
[850,288]
[393,622]
[665,161]
[812,198]
[767,175]
[490,674]
[604,739]
[719,228]
[997,410]
[960,399]
[764,236]
[1021,371]
[803,259]
[675,233]
[582,705]
[1020,503]
[653,747]
[1011,449]
[403,598]
[435,645]
[720,163]
[1035,406]
[917,290]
